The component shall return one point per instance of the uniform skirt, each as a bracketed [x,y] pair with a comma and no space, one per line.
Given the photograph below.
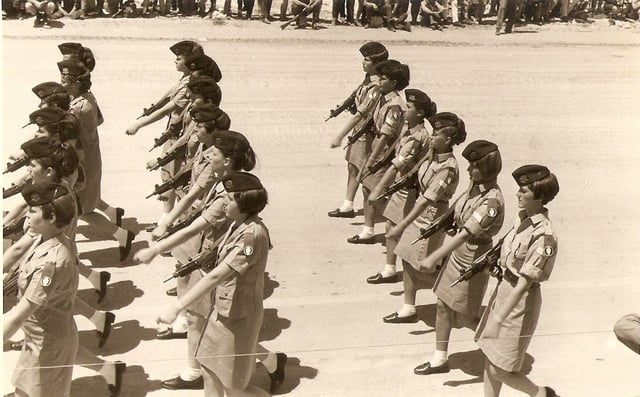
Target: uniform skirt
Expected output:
[183,254]
[228,346]
[507,351]
[92,167]
[466,297]
[399,205]
[358,152]
[413,254]
[57,354]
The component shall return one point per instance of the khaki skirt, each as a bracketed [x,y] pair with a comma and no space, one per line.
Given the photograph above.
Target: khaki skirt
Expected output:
[399,205]
[413,254]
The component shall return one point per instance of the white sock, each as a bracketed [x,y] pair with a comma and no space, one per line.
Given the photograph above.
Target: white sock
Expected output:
[181,323]
[98,319]
[108,372]
[190,374]
[367,231]
[407,310]
[271,362]
[389,270]
[121,236]
[439,358]
[346,206]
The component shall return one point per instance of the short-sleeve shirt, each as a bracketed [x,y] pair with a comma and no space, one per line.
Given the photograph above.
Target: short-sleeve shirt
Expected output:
[412,147]
[438,178]
[481,211]
[388,118]
[530,248]
[202,174]
[367,97]
[213,213]
[48,278]
[179,97]
[85,109]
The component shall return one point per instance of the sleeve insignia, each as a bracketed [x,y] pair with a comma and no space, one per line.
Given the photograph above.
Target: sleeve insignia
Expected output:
[549,246]
[248,250]
[492,212]
[548,250]
[45,281]
[248,244]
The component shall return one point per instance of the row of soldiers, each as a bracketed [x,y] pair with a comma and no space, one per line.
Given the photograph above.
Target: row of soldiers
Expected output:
[400,150]
[210,224]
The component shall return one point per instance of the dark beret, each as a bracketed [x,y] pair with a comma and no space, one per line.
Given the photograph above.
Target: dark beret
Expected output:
[69,48]
[230,141]
[47,116]
[530,173]
[204,111]
[478,149]
[443,120]
[240,181]
[73,68]
[204,63]
[47,88]
[36,194]
[205,86]
[374,50]
[185,47]
[39,147]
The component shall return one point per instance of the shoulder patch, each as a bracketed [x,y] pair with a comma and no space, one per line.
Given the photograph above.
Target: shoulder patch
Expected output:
[549,246]
[248,244]
[492,207]
[47,274]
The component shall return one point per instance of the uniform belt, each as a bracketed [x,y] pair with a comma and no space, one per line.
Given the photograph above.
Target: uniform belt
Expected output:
[479,241]
[509,276]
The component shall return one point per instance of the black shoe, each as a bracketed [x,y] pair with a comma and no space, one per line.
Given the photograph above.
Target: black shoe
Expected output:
[172,292]
[427,369]
[169,334]
[124,251]
[17,346]
[278,376]
[178,383]
[394,318]
[341,214]
[380,279]
[103,335]
[114,390]
[549,392]
[119,216]
[104,279]
[359,240]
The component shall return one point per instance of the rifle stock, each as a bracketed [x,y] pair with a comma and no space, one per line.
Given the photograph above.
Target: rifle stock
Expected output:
[154,107]
[348,103]
[16,165]
[169,157]
[488,260]
[12,191]
[171,132]
[175,182]
[445,221]
[205,260]
[181,225]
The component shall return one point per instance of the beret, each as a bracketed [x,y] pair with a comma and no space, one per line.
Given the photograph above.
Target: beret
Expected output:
[39,147]
[230,141]
[240,181]
[73,68]
[205,86]
[478,149]
[374,50]
[69,48]
[46,116]
[416,96]
[443,120]
[186,47]
[47,88]
[201,62]
[204,111]
[36,194]
[530,173]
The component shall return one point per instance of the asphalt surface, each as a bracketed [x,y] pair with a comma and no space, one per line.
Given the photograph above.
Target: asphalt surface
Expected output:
[566,96]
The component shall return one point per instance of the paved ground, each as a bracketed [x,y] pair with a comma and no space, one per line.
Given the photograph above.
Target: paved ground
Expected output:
[562,95]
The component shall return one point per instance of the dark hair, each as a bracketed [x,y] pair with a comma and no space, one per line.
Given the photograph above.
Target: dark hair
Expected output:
[490,165]
[251,202]
[458,134]
[63,160]
[63,207]
[68,128]
[60,100]
[546,188]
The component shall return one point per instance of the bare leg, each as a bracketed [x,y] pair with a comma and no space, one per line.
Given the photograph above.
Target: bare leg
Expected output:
[492,385]
[515,380]
[443,326]
[212,385]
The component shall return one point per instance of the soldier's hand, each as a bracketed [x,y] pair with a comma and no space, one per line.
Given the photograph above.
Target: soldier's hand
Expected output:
[168,316]
[132,130]
[394,233]
[336,142]
[152,164]
[159,231]
[145,255]
[428,264]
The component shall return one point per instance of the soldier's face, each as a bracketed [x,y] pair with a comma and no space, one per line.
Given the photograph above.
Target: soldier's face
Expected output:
[526,199]
[218,160]
[37,172]
[387,85]
[37,223]
[231,209]
[368,65]
[412,112]
[475,173]
[440,142]
[180,65]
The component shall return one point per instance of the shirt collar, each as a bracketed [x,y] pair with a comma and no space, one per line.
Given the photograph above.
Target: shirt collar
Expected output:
[43,248]
[390,95]
[483,187]
[537,218]
[443,156]
[417,128]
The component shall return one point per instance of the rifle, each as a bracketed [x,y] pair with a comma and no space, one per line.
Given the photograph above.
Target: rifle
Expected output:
[173,183]
[488,260]
[349,103]
[171,132]
[408,180]
[181,224]
[444,222]
[12,191]
[205,260]
[13,227]
[154,107]
[383,161]
[306,11]
[169,157]
[358,134]
[16,165]
[10,284]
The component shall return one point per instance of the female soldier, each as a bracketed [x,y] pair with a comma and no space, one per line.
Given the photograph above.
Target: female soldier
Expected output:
[388,119]
[230,338]
[229,152]
[478,215]
[76,79]
[438,180]
[412,147]
[175,102]
[527,258]
[366,98]
[47,283]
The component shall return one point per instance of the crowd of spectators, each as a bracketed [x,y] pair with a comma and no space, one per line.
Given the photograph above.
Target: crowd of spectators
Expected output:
[390,14]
